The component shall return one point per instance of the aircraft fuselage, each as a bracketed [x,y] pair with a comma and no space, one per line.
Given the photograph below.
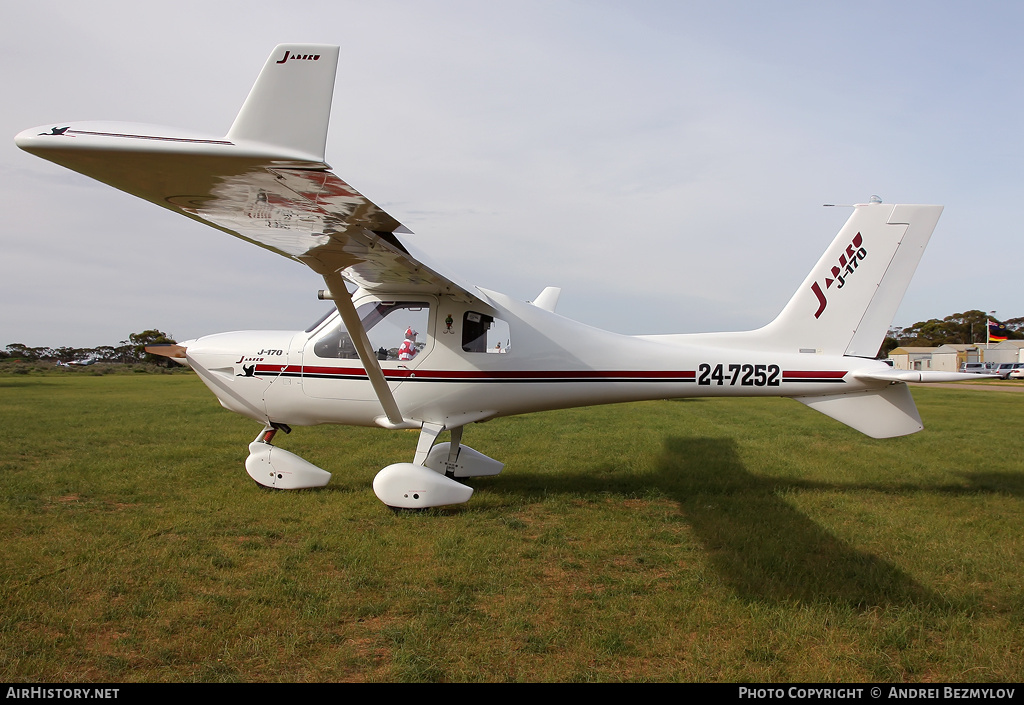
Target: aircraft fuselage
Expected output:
[546,362]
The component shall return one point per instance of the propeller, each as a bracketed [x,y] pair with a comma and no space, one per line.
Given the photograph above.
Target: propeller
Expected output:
[171,350]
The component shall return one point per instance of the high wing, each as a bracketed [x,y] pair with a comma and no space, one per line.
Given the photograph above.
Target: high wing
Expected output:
[266,181]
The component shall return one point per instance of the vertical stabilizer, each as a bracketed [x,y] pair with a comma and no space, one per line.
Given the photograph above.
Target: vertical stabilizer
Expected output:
[848,301]
[290,104]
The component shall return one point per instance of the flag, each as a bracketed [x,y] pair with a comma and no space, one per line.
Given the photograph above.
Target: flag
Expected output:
[996,332]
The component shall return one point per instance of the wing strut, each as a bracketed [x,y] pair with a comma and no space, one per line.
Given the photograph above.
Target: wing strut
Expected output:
[343,301]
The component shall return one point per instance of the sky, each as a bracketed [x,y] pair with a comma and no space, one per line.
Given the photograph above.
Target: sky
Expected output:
[665,163]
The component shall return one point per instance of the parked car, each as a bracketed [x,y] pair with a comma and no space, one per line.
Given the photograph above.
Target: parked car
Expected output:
[974,368]
[1006,368]
[1017,373]
[979,368]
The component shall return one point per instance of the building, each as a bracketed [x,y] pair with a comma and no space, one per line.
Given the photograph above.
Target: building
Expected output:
[912,358]
[952,356]
[1006,351]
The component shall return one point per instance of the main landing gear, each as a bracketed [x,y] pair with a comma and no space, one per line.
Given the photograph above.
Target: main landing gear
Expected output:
[431,480]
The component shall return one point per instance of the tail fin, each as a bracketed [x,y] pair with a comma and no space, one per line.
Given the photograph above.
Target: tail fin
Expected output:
[848,301]
[290,104]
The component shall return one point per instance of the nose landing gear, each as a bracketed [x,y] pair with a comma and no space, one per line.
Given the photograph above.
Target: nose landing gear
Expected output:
[280,469]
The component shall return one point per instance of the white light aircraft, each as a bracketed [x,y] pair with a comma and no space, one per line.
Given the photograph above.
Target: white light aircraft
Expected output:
[414,348]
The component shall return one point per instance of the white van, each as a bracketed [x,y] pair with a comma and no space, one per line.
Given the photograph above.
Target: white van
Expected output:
[978,368]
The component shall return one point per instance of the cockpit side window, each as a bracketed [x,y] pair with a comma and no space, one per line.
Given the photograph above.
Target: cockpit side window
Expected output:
[397,330]
[482,333]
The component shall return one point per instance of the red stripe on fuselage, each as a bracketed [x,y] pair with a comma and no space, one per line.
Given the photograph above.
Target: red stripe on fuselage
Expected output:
[539,375]
[813,374]
[480,374]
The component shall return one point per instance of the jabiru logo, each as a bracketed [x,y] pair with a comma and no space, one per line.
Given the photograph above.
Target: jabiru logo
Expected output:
[848,262]
[298,57]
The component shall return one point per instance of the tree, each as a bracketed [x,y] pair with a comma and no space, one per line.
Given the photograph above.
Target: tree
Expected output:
[66,354]
[20,351]
[139,341]
[968,327]
[1015,325]
[104,353]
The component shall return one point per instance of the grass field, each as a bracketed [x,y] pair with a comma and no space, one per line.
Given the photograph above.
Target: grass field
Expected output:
[702,540]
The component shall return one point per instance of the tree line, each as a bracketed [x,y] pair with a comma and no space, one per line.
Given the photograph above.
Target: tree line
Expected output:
[958,329]
[127,351]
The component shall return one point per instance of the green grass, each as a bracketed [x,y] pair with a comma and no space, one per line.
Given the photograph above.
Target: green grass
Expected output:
[701,540]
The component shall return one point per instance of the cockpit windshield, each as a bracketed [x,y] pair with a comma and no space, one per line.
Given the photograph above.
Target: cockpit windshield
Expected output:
[327,314]
[397,331]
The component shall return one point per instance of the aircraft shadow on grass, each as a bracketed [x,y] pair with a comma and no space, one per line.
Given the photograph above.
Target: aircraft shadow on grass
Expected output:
[759,544]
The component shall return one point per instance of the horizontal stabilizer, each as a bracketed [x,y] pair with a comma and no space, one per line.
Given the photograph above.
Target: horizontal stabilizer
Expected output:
[919,376]
[879,413]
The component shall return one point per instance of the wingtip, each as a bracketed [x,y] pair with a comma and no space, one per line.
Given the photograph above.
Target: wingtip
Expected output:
[289,106]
